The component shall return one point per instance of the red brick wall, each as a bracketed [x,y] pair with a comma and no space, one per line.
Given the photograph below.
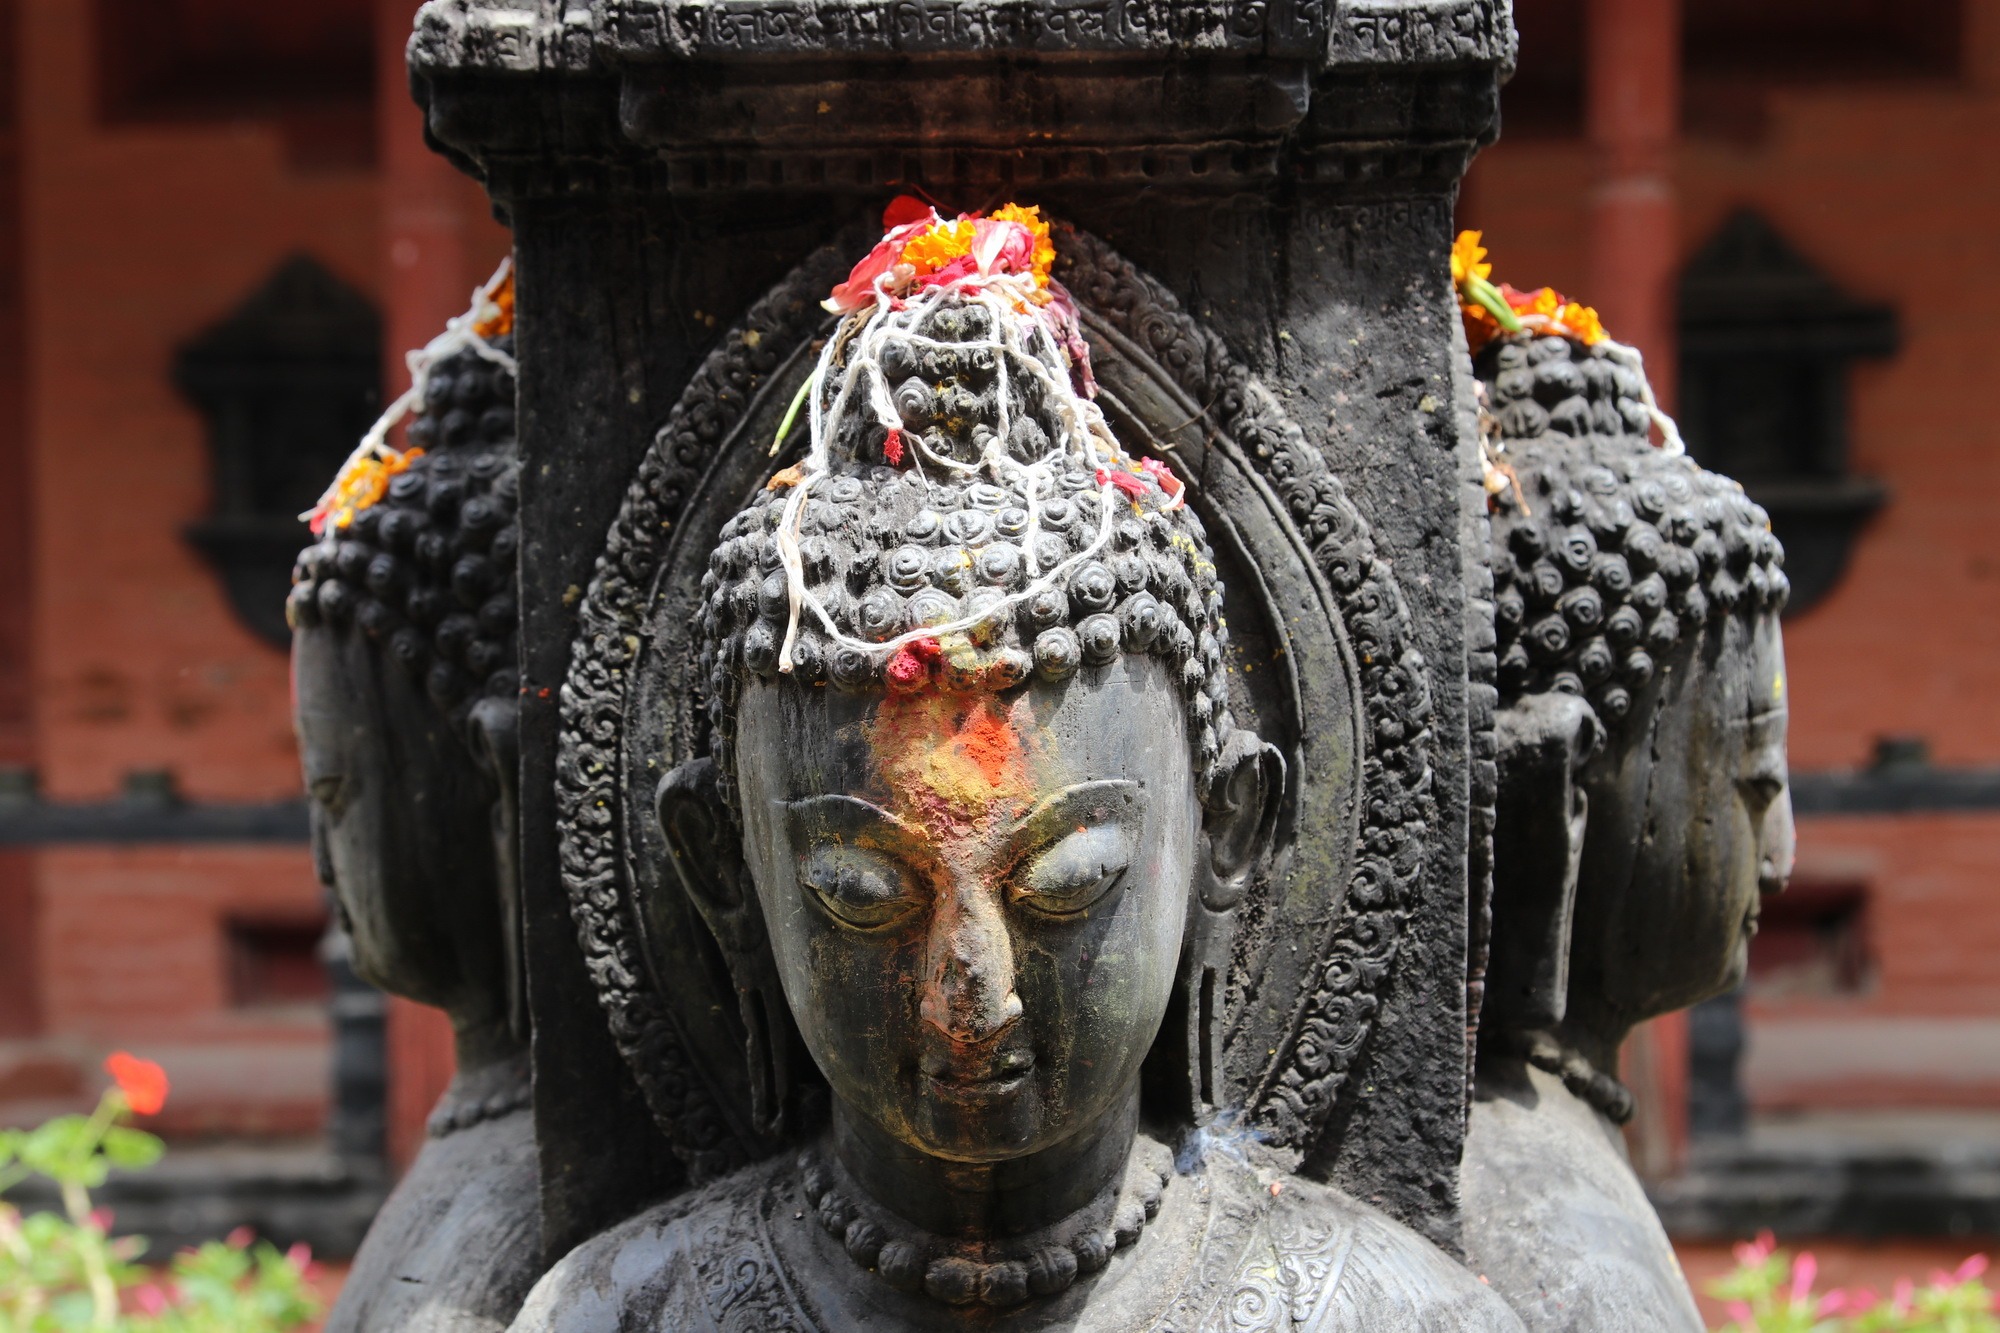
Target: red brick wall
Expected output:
[1895,192]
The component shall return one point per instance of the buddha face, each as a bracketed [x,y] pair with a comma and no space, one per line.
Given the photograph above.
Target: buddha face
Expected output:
[976,900]
[1700,812]
[402,825]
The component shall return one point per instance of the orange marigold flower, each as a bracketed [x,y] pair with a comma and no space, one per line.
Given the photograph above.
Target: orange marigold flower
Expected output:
[362,483]
[931,250]
[1468,258]
[1581,323]
[143,1083]
[497,321]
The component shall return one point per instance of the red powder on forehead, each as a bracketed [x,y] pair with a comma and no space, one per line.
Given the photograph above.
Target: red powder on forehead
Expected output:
[947,756]
[989,740]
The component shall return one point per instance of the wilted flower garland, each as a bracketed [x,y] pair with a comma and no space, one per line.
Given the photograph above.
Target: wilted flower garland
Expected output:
[1492,311]
[1495,311]
[364,478]
[999,264]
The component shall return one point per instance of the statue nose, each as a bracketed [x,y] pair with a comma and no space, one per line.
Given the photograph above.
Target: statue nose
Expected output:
[969,994]
[1778,846]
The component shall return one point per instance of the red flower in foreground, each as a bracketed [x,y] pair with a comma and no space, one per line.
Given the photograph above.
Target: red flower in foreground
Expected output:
[143,1082]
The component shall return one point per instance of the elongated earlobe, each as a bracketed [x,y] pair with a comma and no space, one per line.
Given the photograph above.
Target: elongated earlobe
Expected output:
[495,726]
[708,860]
[1544,742]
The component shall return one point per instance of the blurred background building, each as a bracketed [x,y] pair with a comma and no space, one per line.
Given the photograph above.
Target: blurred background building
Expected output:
[219,228]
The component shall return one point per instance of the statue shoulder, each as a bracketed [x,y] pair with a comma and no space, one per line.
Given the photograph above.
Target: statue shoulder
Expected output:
[1318,1259]
[1556,1219]
[459,1243]
[699,1261]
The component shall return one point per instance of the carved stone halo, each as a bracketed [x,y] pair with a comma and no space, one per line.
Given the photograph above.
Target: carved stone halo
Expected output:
[1322,667]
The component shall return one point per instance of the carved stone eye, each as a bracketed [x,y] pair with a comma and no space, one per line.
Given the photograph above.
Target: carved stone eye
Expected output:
[1074,873]
[862,887]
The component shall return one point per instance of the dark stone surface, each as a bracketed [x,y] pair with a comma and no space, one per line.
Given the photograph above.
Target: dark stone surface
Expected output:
[1292,188]
[1260,198]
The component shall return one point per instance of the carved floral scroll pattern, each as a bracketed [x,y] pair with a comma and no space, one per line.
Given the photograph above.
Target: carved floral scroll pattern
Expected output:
[1336,1011]
[612,624]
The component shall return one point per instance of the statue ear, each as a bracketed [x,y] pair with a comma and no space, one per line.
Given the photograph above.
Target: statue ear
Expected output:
[707,857]
[702,842]
[1240,815]
[495,730]
[1545,740]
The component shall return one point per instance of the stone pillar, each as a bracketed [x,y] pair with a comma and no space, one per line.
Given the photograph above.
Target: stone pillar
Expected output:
[1632,115]
[1285,170]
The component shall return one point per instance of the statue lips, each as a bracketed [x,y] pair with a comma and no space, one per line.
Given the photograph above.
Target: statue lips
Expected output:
[962,1076]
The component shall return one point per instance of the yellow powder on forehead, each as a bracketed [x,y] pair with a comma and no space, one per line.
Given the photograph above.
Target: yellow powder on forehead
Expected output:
[957,756]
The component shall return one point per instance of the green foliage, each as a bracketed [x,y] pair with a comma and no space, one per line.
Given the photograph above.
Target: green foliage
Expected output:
[1771,1291]
[64,1273]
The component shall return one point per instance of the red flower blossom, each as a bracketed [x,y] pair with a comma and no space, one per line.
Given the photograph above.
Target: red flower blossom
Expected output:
[1124,481]
[143,1082]
[903,210]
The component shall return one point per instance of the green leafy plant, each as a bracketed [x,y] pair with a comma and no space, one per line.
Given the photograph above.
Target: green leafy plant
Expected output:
[65,1271]
[1771,1291]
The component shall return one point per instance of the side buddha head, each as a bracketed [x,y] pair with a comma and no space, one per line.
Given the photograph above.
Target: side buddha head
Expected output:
[971,760]
[404,652]
[1643,810]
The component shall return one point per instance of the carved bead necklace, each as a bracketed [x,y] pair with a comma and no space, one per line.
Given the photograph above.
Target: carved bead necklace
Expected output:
[480,1096]
[917,1261]
[1585,1080]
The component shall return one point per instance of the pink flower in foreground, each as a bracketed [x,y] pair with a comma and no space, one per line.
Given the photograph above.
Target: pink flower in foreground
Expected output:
[1804,1269]
[1750,1253]
[151,1299]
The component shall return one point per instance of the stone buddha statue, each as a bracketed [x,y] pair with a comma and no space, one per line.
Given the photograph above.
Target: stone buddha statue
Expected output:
[1643,813]
[969,777]
[404,652]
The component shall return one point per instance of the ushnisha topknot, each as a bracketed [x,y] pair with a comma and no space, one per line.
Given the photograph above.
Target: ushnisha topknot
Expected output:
[963,518]
[417,547]
[1607,551]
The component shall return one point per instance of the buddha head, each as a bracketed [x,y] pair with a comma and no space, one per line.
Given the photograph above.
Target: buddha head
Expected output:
[1644,809]
[404,650]
[970,757]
